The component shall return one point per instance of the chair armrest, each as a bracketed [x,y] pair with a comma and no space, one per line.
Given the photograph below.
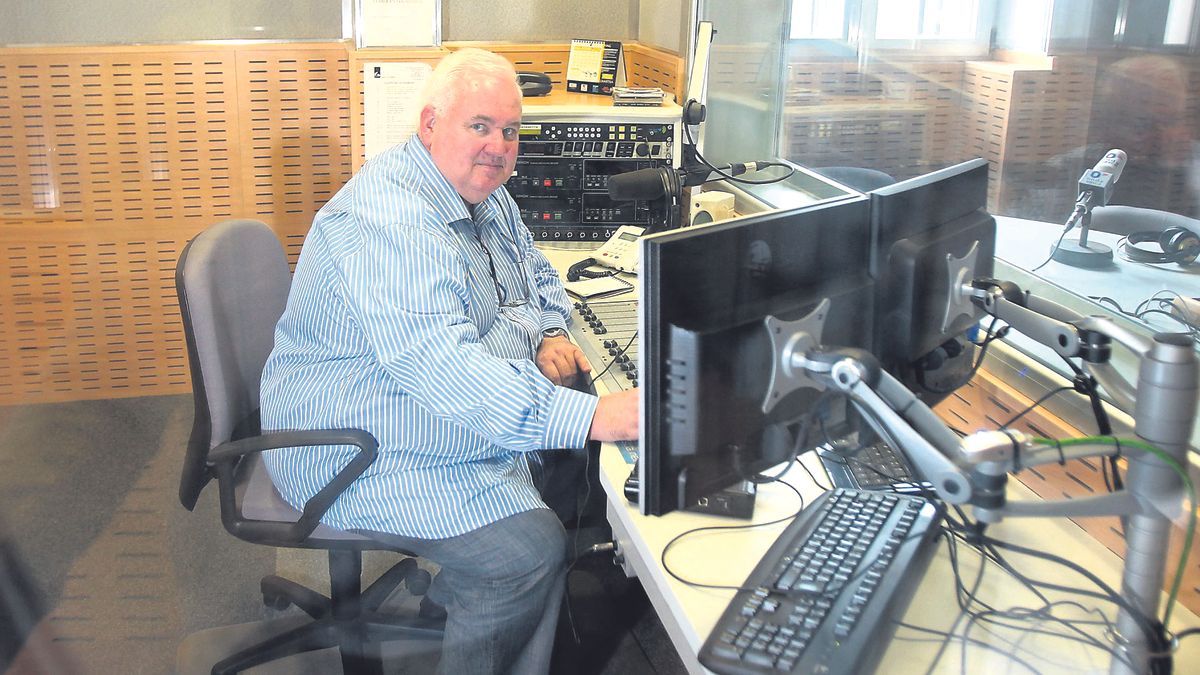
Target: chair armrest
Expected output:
[318,504]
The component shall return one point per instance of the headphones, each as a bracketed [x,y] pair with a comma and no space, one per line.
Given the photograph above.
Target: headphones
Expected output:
[1174,245]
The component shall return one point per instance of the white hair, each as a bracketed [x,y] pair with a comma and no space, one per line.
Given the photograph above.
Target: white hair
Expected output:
[462,70]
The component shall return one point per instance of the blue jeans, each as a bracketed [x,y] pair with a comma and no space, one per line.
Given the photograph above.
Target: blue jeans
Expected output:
[501,585]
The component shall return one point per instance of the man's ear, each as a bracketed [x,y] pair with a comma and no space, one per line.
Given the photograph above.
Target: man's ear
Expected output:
[425,125]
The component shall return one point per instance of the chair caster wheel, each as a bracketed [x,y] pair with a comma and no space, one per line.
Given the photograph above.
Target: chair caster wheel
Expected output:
[418,582]
[276,602]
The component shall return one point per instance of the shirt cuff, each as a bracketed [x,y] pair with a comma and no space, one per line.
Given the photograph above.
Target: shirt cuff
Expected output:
[569,420]
[552,320]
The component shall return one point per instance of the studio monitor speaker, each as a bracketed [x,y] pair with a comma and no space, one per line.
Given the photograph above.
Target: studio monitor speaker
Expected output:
[711,207]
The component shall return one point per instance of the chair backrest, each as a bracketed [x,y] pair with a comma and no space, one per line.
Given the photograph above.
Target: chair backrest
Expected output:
[1126,220]
[232,281]
[859,178]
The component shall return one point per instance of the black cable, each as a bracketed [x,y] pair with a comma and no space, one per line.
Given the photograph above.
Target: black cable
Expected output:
[624,349]
[1192,328]
[814,478]
[1086,384]
[983,348]
[990,554]
[1022,614]
[687,132]
[587,495]
[1151,628]
[1030,408]
[695,584]
[980,643]
[1052,251]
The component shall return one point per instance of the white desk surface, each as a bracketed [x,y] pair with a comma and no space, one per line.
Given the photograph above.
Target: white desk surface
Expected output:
[727,557]
[1027,244]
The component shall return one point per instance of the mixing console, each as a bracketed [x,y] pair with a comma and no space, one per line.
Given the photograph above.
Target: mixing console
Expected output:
[606,331]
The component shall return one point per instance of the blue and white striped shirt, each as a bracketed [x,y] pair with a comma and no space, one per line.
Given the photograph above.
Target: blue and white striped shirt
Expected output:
[394,325]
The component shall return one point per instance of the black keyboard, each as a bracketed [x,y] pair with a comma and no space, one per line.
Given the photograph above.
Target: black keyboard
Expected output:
[875,467]
[824,597]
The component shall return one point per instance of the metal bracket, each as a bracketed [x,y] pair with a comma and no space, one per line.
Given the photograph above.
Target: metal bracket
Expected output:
[960,271]
[789,341]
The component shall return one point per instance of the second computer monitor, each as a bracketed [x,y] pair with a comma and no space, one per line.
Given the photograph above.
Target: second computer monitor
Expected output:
[919,229]
[706,356]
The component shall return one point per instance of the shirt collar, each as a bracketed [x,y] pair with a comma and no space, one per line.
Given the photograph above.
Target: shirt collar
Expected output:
[440,194]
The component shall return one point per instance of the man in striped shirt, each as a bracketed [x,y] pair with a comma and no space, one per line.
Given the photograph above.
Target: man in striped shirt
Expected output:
[421,312]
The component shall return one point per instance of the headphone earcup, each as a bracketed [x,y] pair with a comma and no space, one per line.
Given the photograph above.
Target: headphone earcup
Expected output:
[1180,245]
[1136,253]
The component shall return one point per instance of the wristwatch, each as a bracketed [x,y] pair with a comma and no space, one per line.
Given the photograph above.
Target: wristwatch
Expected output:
[553,332]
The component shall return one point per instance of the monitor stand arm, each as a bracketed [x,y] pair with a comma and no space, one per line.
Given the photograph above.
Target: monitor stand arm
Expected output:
[974,470]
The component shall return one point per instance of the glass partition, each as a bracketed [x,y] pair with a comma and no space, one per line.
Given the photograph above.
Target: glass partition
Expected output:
[867,90]
[43,22]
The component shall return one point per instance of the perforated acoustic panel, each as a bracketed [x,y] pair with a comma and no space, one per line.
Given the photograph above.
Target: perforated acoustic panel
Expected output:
[987,403]
[896,116]
[294,136]
[1031,124]
[112,158]
[110,161]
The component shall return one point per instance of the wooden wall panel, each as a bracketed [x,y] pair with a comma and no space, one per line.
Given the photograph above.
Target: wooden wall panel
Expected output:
[120,155]
[294,136]
[112,158]
[987,89]
[649,67]
[1030,122]
[110,161]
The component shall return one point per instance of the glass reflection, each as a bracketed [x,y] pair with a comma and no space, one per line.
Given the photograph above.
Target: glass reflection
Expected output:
[1042,91]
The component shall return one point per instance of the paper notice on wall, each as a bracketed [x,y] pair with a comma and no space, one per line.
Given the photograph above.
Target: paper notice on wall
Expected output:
[391,93]
[398,23]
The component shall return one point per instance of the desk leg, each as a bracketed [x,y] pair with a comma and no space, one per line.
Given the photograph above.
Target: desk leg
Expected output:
[623,545]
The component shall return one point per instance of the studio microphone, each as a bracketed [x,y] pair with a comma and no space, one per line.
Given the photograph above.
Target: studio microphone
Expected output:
[656,182]
[1096,184]
[1095,189]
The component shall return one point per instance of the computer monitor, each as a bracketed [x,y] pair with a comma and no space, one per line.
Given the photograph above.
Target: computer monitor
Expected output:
[922,231]
[706,357]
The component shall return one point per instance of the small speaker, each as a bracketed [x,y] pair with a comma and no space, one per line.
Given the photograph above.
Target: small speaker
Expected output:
[711,207]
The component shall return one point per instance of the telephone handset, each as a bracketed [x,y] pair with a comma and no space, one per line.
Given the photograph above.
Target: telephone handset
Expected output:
[620,253]
[534,84]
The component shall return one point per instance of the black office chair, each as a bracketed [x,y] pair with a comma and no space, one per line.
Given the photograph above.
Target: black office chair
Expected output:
[859,178]
[232,281]
[1126,220]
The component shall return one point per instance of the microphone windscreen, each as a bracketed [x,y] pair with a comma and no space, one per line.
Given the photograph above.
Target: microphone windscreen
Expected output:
[643,184]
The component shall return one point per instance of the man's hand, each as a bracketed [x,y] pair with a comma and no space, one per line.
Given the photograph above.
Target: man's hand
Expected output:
[616,417]
[561,361]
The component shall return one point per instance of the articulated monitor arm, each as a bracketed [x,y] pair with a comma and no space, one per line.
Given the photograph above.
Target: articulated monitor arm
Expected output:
[974,470]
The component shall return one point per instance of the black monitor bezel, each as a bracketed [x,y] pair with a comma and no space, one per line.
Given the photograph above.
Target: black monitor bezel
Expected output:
[657,495]
[943,211]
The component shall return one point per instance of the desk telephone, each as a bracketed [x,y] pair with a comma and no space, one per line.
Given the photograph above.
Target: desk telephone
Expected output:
[620,253]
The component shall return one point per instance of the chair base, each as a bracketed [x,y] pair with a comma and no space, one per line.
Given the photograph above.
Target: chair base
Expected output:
[200,651]
[349,619]
[359,642]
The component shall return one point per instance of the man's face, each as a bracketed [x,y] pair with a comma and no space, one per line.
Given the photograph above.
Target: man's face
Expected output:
[473,142]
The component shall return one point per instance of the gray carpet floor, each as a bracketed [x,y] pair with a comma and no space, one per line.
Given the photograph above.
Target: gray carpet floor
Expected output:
[102,570]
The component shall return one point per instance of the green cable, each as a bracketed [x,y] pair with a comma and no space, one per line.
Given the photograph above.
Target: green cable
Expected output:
[1187,481]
